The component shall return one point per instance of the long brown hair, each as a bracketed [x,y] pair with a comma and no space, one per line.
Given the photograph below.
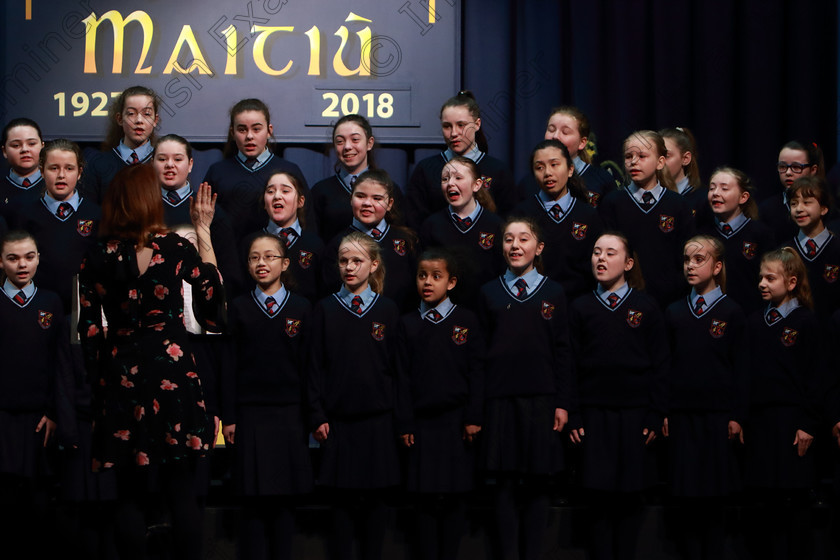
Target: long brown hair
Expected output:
[132,208]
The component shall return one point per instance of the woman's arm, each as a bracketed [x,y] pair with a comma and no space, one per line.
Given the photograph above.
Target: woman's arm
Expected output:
[202,209]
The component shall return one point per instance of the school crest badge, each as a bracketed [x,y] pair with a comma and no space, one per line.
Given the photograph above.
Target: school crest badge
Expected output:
[459,335]
[44,319]
[593,199]
[634,318]
[748,249]
[485,240]
[377,331]
[292,327]
[579,230]
[547,311]
[831,272]
[789,336]
[666,223]
[305,259]
[718,328]
[84,227]
[486,181]
[399,247]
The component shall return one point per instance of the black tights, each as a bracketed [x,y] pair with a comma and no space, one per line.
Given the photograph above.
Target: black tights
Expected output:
[267,529]
[521,517]
[178,490]
[361,513]
[614,523]
[439,521]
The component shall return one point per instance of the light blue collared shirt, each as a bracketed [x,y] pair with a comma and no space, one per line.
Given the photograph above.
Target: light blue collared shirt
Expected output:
[18,180]
[261,159]
[184,192]
[564,201]
[532,279]
[274,229]
[279,296]
[444,308]
[347,296]
[473,153]
[683,187]
[345,177]
[621,291]
[709,298]
[382,226]
[735,223]
[785,309]
[52,204]
[580,165]
[638,192]
[143,151]
[820,239]
[11,290]
[472,216]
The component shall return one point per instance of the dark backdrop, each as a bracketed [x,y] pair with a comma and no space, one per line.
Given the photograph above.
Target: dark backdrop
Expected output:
[746,76]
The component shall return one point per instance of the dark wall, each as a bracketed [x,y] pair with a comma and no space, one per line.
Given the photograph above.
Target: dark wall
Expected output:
[746,76]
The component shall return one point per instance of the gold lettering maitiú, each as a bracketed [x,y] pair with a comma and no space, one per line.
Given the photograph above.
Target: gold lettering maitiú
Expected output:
[187,37]
[363,69]
[118,24]
[259,48]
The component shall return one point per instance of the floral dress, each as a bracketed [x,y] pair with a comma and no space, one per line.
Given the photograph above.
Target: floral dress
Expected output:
[148,401]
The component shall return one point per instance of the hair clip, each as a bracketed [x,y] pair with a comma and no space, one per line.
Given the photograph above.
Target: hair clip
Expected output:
[680,129]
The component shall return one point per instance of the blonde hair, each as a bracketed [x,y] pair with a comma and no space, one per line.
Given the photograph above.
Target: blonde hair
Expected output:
[656,143]
[371,247]
[717,252]
[793,266]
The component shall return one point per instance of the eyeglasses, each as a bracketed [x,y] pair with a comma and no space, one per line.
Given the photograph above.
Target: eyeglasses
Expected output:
[795,167]
[254,259]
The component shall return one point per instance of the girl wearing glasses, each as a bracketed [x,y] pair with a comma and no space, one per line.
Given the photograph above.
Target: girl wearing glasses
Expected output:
[796,159]
[262,402]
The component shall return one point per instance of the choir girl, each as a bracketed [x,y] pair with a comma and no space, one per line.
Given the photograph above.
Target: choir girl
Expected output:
[353,140]
[620,347]
[529,366]
[655,219]
[151,423]
[468,222]
[818,247]
[708,398]
[35,393]
[460,121]
[374,209]
[285,202]
[796,159]
[22,143]
[263,416]
[351,396]
[239,180]
[784,345]
[132,120]
[570,126]
[681,161]
[173,162]
[731,197]
[65,224]
[569,224]
[440,398]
